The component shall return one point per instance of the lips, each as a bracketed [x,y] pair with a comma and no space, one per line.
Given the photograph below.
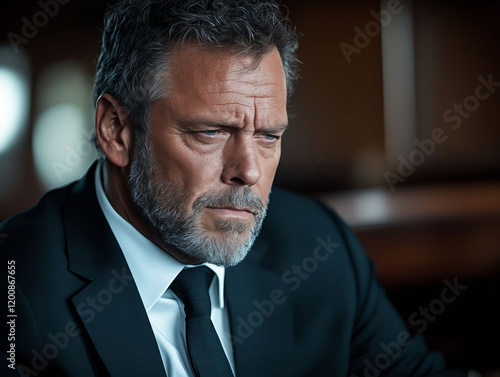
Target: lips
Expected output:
[231,208]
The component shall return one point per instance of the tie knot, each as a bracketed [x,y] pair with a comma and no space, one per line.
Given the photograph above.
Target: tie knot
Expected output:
[192,286]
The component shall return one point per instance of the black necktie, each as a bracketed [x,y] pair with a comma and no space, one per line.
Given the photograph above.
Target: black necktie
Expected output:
[205,350]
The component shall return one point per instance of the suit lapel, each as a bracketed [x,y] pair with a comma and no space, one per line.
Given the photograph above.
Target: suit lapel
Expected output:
[261,319]
[115,320]
[110,306]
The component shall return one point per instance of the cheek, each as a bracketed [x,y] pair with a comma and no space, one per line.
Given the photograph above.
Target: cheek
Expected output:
[190,172]
[274,161]
[269,167]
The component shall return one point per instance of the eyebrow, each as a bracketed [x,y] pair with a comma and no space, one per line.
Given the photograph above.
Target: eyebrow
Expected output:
[194,124]
[273,130]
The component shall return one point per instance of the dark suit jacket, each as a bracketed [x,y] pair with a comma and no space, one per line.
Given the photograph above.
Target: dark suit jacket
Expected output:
[305,302]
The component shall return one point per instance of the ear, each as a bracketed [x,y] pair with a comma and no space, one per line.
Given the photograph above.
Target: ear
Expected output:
[113,130]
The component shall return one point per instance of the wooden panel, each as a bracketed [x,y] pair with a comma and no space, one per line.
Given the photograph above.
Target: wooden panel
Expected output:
[424,234]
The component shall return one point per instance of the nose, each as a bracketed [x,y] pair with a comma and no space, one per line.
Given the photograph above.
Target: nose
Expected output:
[241,166]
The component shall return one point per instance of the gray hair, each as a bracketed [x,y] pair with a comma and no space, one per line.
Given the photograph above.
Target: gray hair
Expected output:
[139,34]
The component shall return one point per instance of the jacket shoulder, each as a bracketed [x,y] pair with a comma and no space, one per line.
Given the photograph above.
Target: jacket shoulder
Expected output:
[299,228]
[292,214]
[37,227]
[49,205]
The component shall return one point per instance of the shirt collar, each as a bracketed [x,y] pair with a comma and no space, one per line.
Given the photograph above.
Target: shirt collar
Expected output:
[152,268]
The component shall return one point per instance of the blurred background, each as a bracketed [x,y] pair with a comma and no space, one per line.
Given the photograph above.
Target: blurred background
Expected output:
[395,123]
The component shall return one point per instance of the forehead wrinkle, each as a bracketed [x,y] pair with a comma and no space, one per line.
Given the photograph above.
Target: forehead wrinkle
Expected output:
[258,86]
[230,104]
[255,94]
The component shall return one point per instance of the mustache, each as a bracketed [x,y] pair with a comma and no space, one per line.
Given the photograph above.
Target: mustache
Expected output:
[240,198]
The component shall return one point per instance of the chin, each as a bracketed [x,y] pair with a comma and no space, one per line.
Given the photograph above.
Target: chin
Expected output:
[233,226]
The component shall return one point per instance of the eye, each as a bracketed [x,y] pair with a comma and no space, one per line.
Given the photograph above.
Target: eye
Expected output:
[209,132]
[271,137]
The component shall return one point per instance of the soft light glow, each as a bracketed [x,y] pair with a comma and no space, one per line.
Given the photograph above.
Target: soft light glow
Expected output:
[371,207]
[13,106]
[62,150]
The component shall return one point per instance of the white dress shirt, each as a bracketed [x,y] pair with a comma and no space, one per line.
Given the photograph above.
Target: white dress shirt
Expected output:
[153,271]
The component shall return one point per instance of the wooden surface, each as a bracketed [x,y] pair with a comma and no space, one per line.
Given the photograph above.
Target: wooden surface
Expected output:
[423,235]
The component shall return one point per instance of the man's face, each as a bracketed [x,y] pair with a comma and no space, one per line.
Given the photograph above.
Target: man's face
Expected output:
[215,141]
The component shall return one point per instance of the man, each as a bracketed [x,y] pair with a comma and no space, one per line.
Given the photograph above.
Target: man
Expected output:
[104,275]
